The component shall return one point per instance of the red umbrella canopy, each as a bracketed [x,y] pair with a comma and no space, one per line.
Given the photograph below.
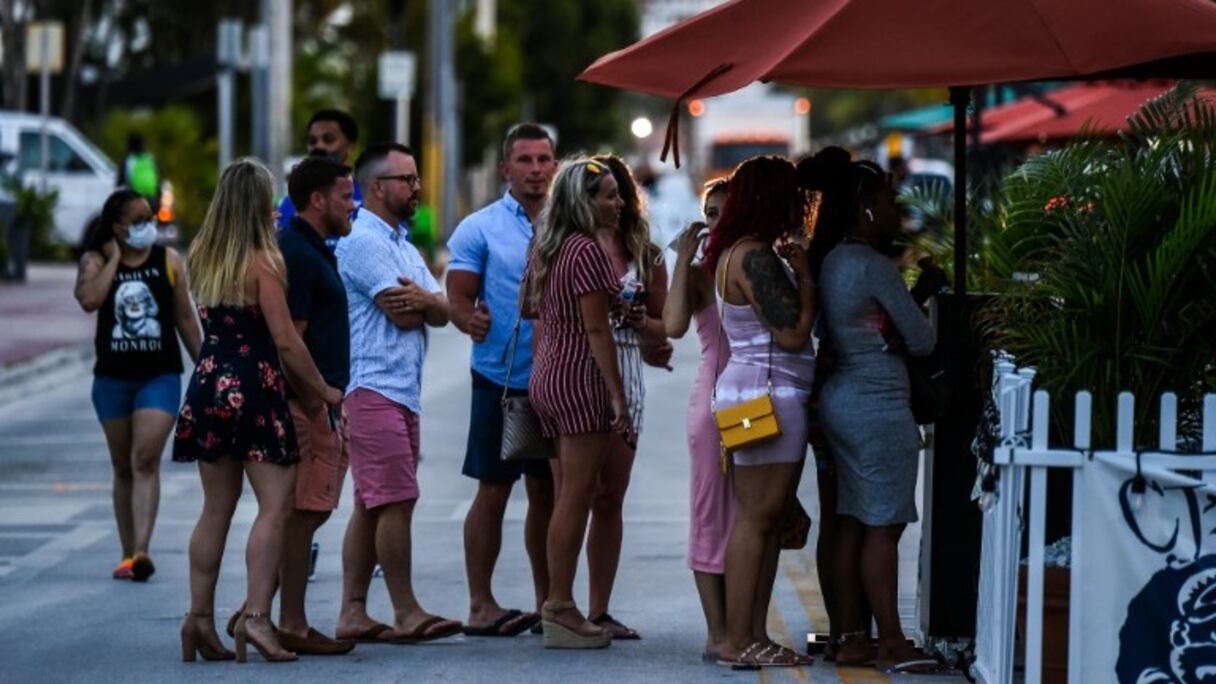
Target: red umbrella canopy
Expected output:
[903,44]
[1062,114]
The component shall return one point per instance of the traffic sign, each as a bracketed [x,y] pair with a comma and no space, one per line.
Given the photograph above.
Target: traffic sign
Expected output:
[44,46]
[396,71]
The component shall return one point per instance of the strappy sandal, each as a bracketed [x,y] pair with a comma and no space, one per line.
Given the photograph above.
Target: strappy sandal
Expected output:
[795,658]
[558,635]
[914,662]
[746,660]
[196,641]
[846,642]
[610,623]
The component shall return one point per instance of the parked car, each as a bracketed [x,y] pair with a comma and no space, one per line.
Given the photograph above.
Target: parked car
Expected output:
[78,169]
[926,176]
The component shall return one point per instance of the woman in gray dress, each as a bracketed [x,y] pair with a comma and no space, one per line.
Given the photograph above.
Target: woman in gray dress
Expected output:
[872,323]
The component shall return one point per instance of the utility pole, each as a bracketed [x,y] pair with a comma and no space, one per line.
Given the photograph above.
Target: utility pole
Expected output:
[486,179]
[276,14]
[228,57]
[259,65]
[441,156]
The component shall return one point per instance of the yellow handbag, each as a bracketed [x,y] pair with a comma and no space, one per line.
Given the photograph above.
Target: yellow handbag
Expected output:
[748,423]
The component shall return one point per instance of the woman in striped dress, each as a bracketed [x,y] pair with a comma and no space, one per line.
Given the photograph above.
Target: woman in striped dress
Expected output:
[637,318]
[576,385]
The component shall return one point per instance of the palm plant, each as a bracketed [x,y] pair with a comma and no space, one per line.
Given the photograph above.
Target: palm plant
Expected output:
[1105,252]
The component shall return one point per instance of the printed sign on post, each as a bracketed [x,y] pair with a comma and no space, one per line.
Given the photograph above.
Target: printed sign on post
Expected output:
[396,75]
[44,46]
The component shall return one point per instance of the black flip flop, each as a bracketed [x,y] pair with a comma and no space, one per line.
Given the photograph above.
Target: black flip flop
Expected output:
[494,629]
[422,633]
[630,634]
[371,635]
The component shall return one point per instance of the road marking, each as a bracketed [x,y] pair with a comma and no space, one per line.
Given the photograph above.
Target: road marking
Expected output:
[57,550]
[53,440]
[49,513]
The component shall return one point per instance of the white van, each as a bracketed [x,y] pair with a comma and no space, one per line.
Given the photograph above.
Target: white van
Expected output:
[81,172]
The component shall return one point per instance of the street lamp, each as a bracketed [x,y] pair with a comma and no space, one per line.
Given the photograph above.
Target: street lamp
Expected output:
[641,127]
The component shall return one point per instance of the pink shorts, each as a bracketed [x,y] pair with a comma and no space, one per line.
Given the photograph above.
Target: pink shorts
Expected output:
[322,460]
[383,449]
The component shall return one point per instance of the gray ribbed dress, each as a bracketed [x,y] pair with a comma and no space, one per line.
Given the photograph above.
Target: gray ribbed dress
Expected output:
[865,406]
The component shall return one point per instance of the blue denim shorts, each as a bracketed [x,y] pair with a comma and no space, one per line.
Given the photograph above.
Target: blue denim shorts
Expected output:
[114,398]
[482,459]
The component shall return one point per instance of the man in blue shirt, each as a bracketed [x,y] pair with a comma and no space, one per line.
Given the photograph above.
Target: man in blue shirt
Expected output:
[331,133]
[390,295]
[316,297]
[489,251]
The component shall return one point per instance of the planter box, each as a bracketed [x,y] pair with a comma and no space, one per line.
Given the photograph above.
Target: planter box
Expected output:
[1055,622]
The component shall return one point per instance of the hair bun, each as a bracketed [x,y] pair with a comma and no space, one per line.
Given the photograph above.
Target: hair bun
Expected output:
[826,169]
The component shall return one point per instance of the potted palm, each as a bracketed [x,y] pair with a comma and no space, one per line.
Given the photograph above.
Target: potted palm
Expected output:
[1105,253]
[1103,257]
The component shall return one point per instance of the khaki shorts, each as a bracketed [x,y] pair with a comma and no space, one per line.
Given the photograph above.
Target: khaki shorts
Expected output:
[323,460]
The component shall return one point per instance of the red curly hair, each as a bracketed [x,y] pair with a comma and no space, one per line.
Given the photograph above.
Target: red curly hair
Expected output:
[763,201]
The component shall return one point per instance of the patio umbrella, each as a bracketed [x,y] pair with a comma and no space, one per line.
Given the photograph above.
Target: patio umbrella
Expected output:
[901,44]
[1102,109]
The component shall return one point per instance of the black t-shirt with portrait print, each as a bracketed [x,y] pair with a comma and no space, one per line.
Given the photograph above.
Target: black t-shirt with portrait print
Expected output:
[136,338]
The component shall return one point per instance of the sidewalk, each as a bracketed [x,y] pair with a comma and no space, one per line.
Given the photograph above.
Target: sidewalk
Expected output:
[40,315]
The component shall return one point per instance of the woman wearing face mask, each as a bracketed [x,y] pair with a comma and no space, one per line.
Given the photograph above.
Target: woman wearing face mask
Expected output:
[141,293]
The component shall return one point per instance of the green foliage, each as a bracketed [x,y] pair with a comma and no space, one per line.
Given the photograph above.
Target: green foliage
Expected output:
[185,157]
[36,210]
[1106,255]
[558,39]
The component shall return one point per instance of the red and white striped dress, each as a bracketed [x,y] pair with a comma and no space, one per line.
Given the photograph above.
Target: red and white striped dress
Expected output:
[566,388]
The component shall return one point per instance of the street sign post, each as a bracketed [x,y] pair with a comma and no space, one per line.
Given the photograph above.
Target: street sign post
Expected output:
[44,53]
[396,70]
[230,58]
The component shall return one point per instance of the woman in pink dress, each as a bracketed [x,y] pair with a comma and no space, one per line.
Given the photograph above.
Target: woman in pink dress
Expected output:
[711,497]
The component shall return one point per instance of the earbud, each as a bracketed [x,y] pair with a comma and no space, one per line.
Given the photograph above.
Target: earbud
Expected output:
[870,215]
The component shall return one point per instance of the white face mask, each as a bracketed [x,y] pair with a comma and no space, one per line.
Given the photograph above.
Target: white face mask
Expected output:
[141,235]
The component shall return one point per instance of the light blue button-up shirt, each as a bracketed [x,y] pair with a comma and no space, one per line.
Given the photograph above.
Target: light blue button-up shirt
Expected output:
[493,243]
[383,357]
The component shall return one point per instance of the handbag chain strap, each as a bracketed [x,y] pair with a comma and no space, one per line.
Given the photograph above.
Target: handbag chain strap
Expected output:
[713,400]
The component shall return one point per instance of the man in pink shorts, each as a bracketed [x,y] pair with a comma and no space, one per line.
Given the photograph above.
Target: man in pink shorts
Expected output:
[322,191]
[391,295]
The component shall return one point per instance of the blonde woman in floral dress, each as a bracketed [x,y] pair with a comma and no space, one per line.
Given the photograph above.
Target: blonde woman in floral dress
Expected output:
[235,421]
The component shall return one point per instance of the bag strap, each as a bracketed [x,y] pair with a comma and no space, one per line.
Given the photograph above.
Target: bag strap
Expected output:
[722,282]
[519,319]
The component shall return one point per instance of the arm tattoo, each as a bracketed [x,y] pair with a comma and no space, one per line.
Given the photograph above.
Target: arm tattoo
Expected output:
[776,295]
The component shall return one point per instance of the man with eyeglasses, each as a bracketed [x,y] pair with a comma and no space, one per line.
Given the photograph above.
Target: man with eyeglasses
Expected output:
[391,296]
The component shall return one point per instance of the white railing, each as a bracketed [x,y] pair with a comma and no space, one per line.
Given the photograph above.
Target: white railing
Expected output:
[1022,459]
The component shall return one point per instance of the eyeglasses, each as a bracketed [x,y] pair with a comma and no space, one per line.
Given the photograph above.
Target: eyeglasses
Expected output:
[407,178]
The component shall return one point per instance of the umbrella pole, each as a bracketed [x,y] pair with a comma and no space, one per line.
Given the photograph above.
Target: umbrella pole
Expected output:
[959,97]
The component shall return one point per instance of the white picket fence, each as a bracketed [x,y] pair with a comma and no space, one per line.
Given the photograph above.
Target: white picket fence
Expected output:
[1022,459]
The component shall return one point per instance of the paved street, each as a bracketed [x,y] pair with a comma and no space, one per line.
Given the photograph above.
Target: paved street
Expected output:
[64,620]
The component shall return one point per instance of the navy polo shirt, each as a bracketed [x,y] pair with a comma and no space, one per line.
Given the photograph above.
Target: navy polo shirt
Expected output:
[315,293]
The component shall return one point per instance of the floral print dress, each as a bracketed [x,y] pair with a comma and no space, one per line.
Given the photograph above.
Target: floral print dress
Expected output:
[236,403]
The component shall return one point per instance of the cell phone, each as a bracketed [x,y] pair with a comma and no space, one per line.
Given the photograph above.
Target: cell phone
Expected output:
[332,413]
